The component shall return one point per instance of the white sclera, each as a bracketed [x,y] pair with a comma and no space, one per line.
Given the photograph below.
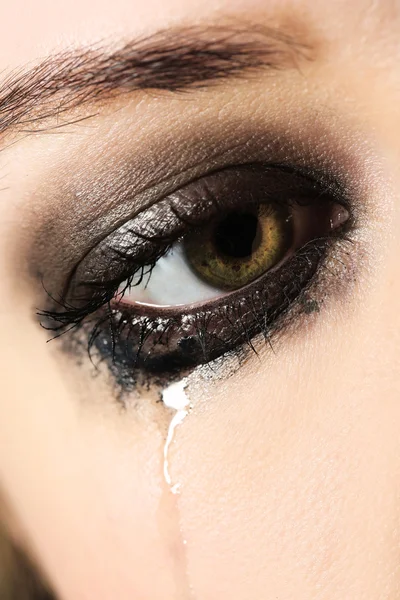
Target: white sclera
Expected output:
[172,283]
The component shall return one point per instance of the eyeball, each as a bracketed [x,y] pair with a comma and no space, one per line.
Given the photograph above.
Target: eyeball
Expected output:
[225,255]
[172,282]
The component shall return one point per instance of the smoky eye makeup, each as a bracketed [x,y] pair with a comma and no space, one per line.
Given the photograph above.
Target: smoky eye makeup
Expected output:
[207,271]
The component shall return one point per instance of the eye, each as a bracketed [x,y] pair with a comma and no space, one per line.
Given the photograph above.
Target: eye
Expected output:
[226,254]
[204,270]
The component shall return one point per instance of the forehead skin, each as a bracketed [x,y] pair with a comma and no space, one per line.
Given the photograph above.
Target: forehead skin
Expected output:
[290,469]
[45,28]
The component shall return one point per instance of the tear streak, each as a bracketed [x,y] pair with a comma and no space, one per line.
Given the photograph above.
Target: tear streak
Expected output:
[174,396]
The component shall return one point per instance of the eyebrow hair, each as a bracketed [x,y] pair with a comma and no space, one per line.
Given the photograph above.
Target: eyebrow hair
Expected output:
[174,60]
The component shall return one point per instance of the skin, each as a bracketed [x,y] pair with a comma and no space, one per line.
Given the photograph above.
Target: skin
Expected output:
[289,469]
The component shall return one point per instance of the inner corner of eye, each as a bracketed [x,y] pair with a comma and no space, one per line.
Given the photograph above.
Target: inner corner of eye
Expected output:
[339,215]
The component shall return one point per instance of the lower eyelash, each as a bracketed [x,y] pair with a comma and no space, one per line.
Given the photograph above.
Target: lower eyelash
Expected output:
[131,344]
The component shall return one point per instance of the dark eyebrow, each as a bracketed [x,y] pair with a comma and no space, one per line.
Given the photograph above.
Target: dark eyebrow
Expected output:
[174,60]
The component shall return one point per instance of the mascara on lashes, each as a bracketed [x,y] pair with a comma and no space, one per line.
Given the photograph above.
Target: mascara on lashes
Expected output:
[137,341]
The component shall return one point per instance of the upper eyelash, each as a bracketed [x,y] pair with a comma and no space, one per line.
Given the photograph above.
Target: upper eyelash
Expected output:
[72,315]
[56,320]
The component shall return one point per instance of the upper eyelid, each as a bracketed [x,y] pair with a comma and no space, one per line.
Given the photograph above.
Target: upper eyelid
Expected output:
[321,180]
[298,174]
[80,205]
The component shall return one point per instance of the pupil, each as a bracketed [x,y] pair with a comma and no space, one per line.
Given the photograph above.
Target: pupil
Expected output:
[238,235]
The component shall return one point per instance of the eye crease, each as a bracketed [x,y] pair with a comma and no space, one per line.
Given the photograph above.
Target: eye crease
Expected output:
[204,270]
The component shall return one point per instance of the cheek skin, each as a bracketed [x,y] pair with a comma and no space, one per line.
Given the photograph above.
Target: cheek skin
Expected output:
[278,480]
[84,480]
[281,471]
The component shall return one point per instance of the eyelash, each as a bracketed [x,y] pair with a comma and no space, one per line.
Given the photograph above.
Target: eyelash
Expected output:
[130,341]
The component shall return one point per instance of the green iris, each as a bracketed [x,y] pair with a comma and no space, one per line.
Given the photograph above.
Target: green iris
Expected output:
[236,249]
